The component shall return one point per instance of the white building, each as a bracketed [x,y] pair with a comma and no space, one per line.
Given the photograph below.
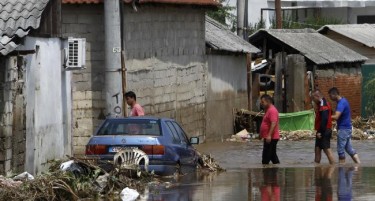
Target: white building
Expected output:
[348,12]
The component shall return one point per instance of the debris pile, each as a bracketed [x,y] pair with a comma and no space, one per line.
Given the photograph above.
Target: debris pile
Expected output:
[297,135]
[206,161]
[367,125]
[243,136]
[246,124]
[249,120]
[84,179]
[78,179]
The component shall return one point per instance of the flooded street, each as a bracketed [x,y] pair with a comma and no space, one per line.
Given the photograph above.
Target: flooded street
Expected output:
[232,155]
[297,178]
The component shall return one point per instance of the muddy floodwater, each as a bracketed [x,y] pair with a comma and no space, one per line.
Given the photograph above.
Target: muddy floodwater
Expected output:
[296,178]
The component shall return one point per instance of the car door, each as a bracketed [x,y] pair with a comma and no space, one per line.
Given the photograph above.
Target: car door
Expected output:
[177,145]
[187,150]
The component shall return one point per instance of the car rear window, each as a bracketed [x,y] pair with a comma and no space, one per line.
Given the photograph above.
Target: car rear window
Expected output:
[130,127]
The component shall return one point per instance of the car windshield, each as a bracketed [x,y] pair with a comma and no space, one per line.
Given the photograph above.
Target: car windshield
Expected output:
[130,127]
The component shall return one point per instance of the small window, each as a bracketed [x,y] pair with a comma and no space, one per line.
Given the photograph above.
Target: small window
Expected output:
[130,127]
[363,19]
[173,131]
[180,132]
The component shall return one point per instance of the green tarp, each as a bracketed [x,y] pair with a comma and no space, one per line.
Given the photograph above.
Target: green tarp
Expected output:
[303,120]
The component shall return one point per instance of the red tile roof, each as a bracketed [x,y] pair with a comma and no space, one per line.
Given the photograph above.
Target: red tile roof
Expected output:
[188,2]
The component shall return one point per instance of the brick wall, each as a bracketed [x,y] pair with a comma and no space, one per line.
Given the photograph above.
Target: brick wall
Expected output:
[86,21]
[166,67]
[347,80]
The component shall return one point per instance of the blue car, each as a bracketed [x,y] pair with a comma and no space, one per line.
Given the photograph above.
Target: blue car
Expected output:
[163,140]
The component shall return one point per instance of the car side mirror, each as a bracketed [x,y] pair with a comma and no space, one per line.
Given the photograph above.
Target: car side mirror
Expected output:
[194,140]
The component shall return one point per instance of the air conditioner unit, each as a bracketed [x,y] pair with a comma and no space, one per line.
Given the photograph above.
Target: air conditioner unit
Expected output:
[75,54]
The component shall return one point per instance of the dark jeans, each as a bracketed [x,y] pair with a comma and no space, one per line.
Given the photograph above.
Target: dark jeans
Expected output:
[269,152]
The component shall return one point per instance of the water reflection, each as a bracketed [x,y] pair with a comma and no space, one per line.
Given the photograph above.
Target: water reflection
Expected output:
[344,191]
[270,190]
[323,183]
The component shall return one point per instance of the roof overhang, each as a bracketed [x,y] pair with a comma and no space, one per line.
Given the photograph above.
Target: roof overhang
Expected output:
[330,3]
[214,3]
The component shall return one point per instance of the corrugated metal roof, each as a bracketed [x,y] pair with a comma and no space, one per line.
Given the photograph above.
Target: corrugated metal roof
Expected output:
[17,18]
[188,2]
[362,33]
[220,37]
[313,45]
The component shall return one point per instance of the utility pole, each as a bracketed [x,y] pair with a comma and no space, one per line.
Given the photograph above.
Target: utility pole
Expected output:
[240,17]
[113,73]
[246,21]
[279,22]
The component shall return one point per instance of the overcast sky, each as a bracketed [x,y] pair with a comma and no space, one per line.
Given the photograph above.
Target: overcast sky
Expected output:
[254,9]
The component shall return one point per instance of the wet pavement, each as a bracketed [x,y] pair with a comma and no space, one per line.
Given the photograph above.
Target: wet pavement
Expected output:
[297,178]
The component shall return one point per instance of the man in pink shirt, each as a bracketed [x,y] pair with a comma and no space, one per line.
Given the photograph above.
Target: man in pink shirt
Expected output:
[269,130]
[136,109]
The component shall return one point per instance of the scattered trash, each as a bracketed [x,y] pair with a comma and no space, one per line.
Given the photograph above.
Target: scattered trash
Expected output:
[78,169]
[128,194]
[64,166]
[297,135]
[242,136]
[102,181]
[24,177]
[131,160]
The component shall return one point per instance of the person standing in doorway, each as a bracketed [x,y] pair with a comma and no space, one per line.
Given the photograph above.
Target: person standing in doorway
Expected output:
[269,130]
[323,127]
[344,126]
[136,109]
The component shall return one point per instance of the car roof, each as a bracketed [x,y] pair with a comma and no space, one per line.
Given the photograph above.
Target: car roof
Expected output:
[140,117]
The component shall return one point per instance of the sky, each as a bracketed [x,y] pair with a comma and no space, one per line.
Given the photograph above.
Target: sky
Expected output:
[254,9]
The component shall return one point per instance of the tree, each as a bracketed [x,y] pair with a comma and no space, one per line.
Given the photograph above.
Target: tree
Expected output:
[223,14]
[370,93]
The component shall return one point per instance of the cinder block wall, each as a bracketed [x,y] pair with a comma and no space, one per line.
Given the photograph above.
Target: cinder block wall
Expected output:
[165,61]
[347,80]
[12,116]
[86,21]
[165,50]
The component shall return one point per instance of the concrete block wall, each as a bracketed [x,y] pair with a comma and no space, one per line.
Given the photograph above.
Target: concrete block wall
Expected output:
[86,21]
[166,67]
[165,61]
[347,80]
[12,125]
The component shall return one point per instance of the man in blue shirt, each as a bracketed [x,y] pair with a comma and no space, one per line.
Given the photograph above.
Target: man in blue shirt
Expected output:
[344,126]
